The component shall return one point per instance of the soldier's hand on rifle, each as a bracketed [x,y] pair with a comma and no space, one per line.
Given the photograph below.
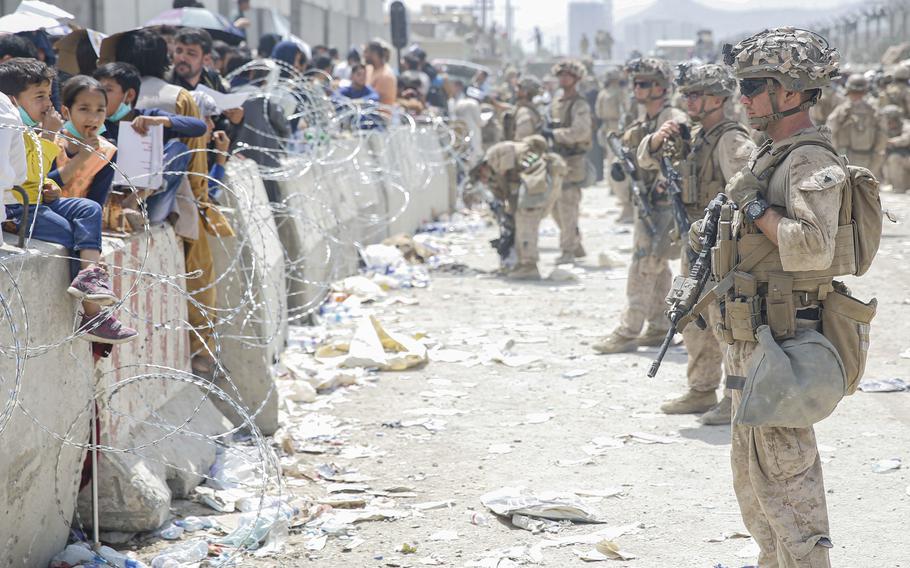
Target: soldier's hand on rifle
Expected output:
[547,132]
[744,187]
[695,236]
[667,129]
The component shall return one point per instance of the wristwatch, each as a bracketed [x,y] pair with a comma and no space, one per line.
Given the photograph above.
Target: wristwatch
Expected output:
[755,209]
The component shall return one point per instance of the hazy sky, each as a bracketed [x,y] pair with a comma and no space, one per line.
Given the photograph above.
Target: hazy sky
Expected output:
[550,15]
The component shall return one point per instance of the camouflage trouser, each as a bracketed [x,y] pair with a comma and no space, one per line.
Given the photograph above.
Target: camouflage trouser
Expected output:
[565,212]
[705,346]
[649,277]
[777,476]
[896,166]
[527,227]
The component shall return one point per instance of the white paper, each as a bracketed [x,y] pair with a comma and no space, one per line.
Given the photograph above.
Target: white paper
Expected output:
[140,158]
[225,101]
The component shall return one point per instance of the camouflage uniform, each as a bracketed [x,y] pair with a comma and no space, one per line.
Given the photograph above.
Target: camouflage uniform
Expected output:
[571,140]
[897,91]
[777,473]
[857,129]
[649,272]
[611,108]
[715,156]
[897,149]
[528,179]
[526,116]
[826,104]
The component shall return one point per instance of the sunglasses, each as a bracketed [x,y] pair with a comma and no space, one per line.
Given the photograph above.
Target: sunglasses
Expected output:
[752,87]
[693,96]
[643,84]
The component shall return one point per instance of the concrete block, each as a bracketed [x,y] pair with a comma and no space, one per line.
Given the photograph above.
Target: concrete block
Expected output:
[39,474]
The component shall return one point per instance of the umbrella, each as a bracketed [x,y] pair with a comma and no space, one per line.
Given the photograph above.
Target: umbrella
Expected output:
[217,25]
[66,48]
[24,22]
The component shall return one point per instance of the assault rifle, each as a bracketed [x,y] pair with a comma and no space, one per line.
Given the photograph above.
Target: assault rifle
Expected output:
[687,290]
[628,168]
[680,217]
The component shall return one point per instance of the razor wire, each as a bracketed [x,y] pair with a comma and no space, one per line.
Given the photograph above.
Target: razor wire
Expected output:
[379,156]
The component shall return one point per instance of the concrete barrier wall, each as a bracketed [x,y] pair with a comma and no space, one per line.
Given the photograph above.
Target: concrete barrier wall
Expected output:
[147,404]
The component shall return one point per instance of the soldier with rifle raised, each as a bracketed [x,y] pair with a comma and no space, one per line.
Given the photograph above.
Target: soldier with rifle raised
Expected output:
[719,148]
[653,246]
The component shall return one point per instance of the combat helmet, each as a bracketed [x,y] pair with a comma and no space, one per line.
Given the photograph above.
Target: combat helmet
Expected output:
[797,59]
[892,112]
[901,73]
[530,85]
[792,384]
[612,75]
[710,79]
[571,66]
[857,83]
[650,69]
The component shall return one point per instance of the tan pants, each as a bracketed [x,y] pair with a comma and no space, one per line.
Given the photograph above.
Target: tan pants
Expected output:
[896,172]
[705,346]
[198,256]
[649,277]
[527,228]
[565,212]
[777,476]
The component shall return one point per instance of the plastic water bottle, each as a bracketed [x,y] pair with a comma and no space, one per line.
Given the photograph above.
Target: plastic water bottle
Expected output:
[183,553]
[171,532]
[119,560]
[477,518]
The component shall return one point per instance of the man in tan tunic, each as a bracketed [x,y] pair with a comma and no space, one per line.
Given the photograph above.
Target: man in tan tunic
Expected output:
[897,149]
[857,129]
[649,271]
[571,137]
[789,201]
[720,148]
[610,108]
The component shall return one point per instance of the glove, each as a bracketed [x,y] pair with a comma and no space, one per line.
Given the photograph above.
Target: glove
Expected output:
[695,236]
[547,133]
[745,187]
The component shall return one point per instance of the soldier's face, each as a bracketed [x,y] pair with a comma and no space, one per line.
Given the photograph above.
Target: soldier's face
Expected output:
[567,80]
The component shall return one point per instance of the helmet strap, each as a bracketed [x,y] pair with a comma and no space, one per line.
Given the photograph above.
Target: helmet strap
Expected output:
[762,122]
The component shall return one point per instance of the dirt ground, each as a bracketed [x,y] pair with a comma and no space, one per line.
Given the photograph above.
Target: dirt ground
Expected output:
[677,496]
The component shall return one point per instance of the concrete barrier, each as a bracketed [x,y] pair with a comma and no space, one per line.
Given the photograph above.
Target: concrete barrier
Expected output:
[252,295]
[39,475]
[161,420]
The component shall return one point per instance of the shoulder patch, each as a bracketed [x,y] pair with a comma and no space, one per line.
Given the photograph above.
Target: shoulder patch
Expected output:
[824,178]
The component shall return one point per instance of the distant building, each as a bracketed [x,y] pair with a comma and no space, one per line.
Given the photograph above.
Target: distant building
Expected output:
[585,20]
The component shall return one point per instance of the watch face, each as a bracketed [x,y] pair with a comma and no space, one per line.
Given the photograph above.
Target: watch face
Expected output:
[754,210]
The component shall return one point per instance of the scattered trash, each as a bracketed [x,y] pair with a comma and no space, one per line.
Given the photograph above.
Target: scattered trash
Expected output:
[886,465]
[73,555]
[884,385]
[751,550]
[481,520]
[317,543]
[610,259]
[445,535]
[562,275]
[180,554]
[575,373]
[601,445]
[538,418]
[430,505]
[171,532]
[509,501]
[407,549]
[605,550]
[374,347]
[535,553]
[728,536]
[499,449]
[535,525]
[646,438]
[449,355]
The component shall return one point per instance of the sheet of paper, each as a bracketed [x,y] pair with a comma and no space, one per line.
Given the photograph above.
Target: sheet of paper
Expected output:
[225,101]
[140,158]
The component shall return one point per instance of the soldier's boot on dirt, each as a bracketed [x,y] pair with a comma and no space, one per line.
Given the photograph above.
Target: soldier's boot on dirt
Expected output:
[579,251]
[652,337]
[616,342]
[719,414]
[626,216]
[565,258]
[524,272]
[693,402]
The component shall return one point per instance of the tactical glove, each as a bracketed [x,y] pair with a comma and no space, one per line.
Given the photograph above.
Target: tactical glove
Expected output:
[547,133]
[695,236]
[745,187]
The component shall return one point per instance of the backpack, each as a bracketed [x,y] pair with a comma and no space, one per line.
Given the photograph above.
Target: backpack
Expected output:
[861,206]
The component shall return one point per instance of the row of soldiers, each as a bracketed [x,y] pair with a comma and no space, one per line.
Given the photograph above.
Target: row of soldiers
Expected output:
[782,247]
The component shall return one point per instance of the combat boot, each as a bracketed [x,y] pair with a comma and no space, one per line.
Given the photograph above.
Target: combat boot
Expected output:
[616,342]
[580,252]
[693,402]
[652,337]
[565,258]
[524,272]
[719,414]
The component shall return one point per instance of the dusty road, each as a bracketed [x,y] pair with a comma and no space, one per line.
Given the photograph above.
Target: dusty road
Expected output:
[533,425]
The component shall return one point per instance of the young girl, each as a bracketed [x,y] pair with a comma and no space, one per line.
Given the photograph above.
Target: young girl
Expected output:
[79,171]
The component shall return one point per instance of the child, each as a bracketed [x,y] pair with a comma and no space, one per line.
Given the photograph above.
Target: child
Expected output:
[121,82]
[81,172]
[72,222]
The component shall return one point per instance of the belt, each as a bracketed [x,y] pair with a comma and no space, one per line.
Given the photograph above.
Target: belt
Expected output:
[812,314]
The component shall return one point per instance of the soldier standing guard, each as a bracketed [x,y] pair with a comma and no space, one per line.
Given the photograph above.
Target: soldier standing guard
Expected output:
[524,119]
[649,271]
[720,148]
[792,233]
[897,149]
[570,134]
[857,129]
[611,109]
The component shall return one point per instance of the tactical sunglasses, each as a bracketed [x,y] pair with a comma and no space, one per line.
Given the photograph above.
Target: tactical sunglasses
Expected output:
[643,84]
[752,87]
[694,96]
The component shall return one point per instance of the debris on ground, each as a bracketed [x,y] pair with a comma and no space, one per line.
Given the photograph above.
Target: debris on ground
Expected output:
[884,385]
[883,466]
[509,501]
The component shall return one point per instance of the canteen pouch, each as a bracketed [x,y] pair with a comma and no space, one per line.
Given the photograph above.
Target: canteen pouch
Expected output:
[846,322]
[780,307]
